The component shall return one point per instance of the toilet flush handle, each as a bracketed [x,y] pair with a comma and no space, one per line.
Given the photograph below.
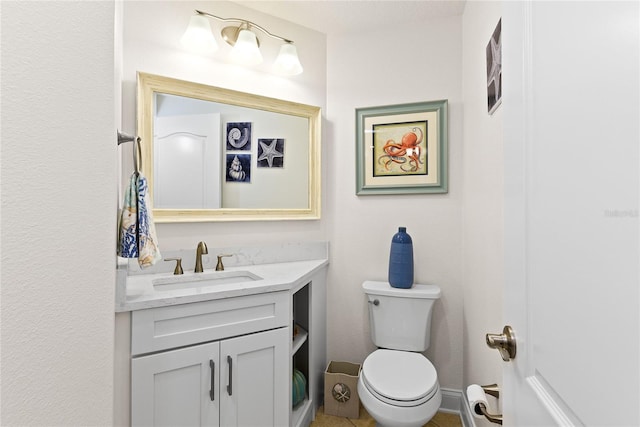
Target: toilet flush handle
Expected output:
[374,302]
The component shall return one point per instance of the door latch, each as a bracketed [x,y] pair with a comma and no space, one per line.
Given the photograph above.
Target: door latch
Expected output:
[505,343]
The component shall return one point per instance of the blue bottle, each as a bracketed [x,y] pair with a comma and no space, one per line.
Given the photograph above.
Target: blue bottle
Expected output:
[401,260]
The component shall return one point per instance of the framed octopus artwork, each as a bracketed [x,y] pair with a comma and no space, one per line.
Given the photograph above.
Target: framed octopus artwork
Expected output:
[402,149]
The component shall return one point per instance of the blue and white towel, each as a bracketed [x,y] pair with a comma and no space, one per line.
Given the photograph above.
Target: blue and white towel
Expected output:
[128,230]
[148,251]
[137,234]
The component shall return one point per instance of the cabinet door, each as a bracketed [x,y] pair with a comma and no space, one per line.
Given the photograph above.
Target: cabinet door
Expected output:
[174,388]
[256,378]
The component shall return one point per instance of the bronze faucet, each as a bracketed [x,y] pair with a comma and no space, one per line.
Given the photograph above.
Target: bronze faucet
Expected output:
[201,249]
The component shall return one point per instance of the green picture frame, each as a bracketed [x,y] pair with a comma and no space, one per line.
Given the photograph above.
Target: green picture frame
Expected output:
[402,149]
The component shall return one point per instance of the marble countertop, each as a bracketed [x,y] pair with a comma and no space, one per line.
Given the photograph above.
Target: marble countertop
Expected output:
[137,291]
[141,294]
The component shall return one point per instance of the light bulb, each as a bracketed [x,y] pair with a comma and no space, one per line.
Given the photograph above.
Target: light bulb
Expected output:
[246,50]
[198,38]
[287,63]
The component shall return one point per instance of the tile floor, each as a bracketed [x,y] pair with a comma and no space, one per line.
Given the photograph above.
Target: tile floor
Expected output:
[441,419]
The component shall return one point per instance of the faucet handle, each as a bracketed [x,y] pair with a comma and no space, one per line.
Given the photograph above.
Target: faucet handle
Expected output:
[178,269]
[219,265]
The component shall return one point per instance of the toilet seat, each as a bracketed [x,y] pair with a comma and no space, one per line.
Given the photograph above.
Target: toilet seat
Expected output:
[400,378]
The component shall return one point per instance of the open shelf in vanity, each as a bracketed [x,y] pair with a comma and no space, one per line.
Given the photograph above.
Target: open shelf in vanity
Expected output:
[300,307]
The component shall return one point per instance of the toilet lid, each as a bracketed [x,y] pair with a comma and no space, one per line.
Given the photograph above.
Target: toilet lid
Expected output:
[400,376]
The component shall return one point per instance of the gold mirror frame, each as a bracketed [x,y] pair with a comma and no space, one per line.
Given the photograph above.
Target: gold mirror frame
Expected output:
[149,85]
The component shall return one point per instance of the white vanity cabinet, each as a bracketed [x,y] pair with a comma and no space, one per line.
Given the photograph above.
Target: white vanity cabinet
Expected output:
[178,350]
[186,370]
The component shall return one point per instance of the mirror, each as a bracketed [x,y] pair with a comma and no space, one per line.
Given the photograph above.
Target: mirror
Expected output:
[213,154]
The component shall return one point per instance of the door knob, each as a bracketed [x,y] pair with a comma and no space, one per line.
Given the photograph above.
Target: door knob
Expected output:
[505,343]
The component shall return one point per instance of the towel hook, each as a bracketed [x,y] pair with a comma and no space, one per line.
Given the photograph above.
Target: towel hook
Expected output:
[137,150]
[123,137]
[137,155]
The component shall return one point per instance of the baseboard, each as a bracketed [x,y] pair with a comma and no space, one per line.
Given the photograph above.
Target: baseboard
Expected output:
[454,402]
[450,400]
[466,416]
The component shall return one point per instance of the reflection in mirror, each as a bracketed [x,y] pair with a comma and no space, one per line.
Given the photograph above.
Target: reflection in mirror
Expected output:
[186,147]
[213,154]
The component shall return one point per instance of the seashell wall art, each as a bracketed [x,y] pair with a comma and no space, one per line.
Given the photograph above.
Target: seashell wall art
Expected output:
[239,136]
[238,168]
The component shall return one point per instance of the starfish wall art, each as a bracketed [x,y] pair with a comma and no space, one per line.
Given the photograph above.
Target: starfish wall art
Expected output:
[271,153]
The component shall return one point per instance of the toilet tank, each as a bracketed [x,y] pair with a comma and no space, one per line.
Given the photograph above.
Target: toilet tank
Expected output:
[400,319]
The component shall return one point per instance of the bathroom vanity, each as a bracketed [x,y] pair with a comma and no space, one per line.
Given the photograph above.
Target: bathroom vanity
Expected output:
[218,348]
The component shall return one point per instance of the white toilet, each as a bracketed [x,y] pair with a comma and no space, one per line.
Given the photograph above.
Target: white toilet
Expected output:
[398,386]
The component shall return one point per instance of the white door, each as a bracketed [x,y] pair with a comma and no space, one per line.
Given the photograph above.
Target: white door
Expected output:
[187,161]
[256,378]
[571,122]
[176,388]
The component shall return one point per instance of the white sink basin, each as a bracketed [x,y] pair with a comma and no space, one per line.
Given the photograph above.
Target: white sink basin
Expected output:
[203,280]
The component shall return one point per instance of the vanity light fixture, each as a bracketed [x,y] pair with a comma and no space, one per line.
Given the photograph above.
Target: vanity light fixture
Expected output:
[246,46]
[198,37]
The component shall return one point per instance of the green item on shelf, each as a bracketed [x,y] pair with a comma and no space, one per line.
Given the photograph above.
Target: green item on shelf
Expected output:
[299,387]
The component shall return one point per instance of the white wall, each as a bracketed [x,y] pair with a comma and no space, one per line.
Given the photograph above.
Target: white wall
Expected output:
[482,217]
[376,69]
[58,212]
[148,49]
